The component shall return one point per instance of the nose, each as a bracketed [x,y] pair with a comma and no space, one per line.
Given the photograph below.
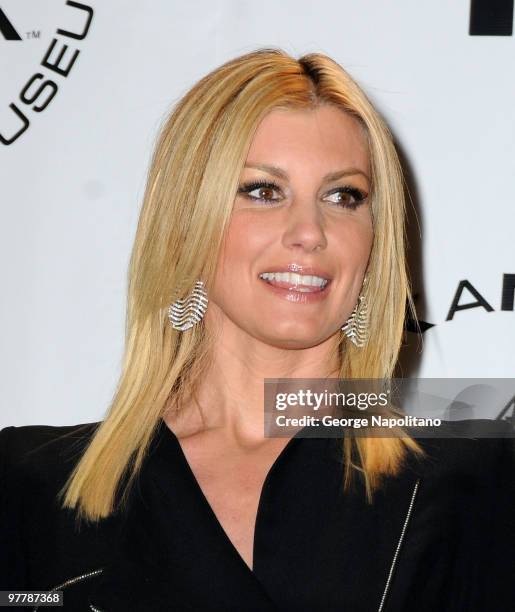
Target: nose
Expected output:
[304,228]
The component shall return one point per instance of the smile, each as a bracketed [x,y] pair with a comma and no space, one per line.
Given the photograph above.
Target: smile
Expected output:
[297,288]
[293,281]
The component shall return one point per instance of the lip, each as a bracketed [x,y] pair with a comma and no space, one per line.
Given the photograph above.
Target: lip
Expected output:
[305,269]
[292,295]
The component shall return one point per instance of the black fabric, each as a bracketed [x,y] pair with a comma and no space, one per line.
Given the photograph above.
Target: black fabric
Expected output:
[316,547]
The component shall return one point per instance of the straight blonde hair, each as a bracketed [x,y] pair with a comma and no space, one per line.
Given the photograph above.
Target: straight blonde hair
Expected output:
[190,190]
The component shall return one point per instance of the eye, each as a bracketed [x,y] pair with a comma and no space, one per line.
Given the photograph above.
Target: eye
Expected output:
[264,191]
[348,197]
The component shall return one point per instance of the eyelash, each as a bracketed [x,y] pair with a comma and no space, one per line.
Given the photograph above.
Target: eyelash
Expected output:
[358,195]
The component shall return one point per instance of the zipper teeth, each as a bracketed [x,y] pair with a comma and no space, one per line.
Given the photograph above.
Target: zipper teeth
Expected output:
[399,544]
[73,581]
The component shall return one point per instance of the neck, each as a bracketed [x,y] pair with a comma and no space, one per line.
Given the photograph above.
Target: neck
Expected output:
[231,395]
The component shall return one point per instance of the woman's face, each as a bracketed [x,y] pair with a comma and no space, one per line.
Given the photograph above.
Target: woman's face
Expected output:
[300,234]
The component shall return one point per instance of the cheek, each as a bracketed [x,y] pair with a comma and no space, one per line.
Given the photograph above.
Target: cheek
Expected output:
[365,230]
[353,240]
[246,237]
[245,241]
[366,238]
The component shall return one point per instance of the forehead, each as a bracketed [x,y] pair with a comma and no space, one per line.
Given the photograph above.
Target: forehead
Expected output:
[325,135]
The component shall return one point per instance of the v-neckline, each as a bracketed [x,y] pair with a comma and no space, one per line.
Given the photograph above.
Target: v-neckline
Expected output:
[205,502]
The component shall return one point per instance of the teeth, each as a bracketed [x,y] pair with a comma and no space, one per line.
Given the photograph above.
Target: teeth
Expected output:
[294,278]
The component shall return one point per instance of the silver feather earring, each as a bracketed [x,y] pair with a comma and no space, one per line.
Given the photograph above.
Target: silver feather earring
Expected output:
[186,312]
[356,326]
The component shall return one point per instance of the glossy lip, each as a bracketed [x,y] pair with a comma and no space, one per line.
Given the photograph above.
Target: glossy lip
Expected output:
[299,297]
[304,269]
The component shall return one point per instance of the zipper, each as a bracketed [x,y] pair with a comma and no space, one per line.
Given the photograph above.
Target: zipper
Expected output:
[399,544]
[74,580]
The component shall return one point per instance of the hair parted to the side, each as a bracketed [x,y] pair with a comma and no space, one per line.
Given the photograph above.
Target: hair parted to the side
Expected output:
[191,186]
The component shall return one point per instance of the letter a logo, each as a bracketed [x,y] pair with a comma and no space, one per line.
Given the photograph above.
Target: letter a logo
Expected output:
[7,28]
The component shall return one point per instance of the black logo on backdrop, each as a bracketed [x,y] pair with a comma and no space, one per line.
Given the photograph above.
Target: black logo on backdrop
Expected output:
[7,28]
[491,17]
[40,88]
[479,301]
[507,297]
[487,18]
[508,412]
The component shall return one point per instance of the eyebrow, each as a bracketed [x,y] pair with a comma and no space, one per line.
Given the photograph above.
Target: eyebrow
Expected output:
[332,176]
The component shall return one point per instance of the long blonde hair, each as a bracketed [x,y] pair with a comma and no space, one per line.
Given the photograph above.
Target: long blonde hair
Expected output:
[191,185]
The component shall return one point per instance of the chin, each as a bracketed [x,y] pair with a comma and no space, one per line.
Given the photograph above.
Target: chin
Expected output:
[299,339]
[293,344]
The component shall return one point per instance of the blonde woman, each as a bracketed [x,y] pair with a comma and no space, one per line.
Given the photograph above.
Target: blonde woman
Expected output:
[274,206]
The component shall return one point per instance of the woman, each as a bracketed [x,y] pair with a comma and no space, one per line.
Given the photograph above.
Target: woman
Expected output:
[274,210]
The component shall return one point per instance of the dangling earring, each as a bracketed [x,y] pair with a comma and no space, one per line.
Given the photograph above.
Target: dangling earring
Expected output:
[356,326]
[185,313]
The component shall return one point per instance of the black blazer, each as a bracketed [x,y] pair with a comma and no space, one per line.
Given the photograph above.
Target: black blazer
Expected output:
[439,537]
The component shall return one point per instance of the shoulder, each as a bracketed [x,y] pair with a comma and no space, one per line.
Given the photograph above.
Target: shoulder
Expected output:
[472,439]
[477,454]
[38,541]
[42,450]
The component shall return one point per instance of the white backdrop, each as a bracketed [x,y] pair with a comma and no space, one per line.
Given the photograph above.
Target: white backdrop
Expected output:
[72,182]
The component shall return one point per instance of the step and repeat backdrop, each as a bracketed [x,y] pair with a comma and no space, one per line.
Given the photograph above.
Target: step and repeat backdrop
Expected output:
[84,88]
